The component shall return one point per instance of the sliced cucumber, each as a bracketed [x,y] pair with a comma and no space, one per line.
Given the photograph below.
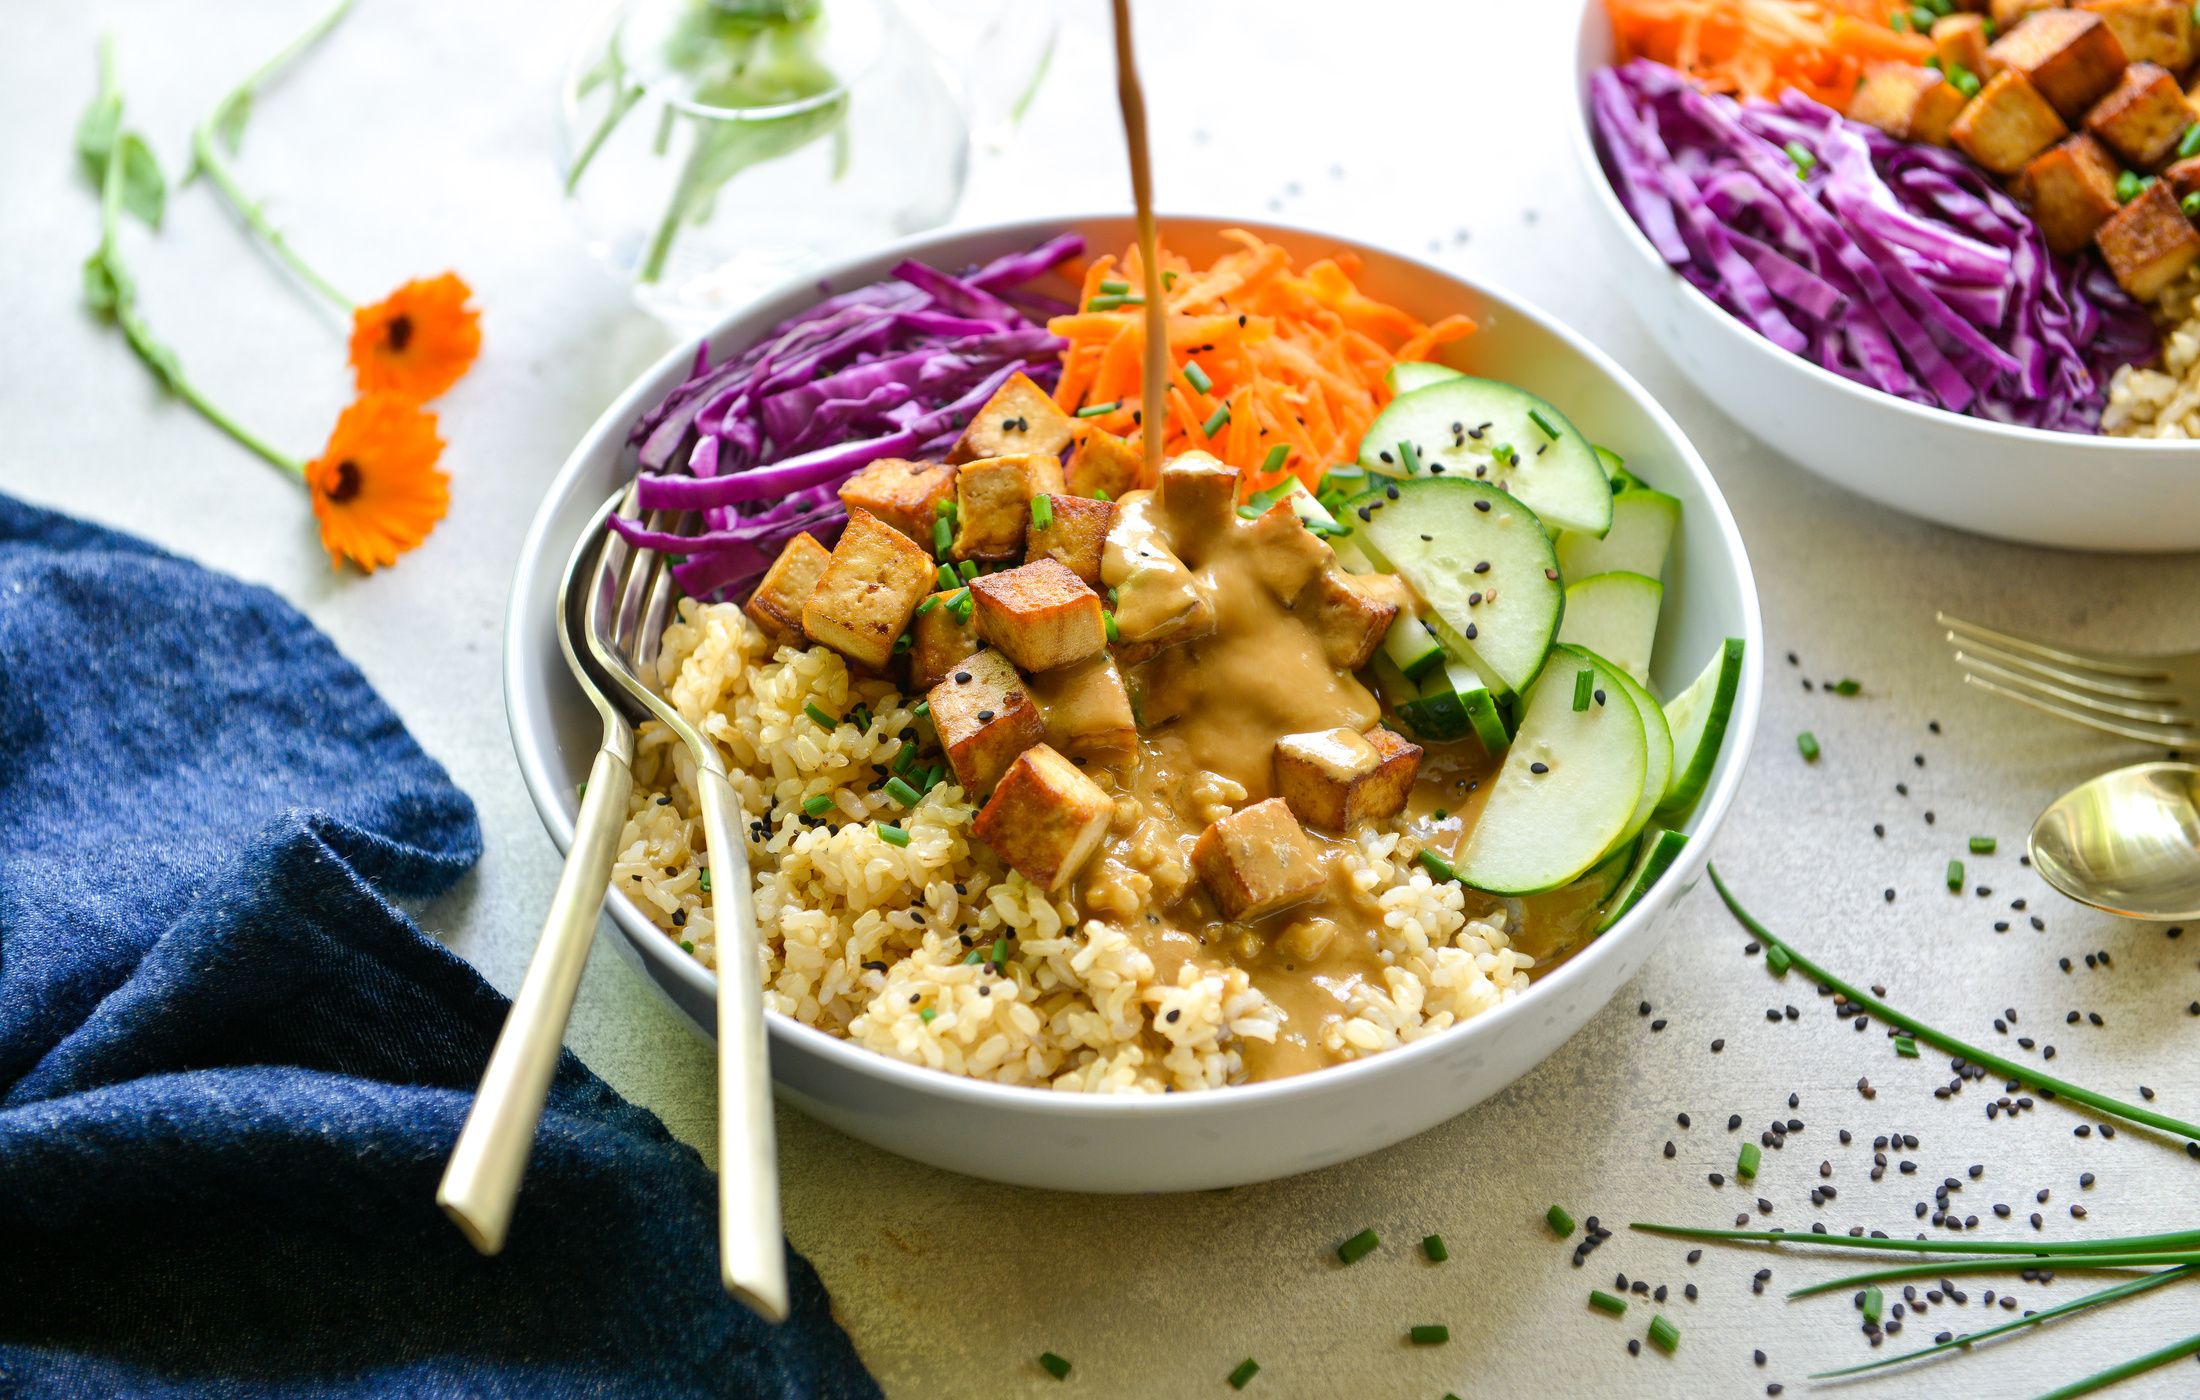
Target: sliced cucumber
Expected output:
[1460,427]
[1643,525]
[1436,534]
[1698,717]
[1615,616]
[1606,875]
[1452,703]
[1412,646]
[1657,741]
[1408,375]
[1539,830]
[1654,856]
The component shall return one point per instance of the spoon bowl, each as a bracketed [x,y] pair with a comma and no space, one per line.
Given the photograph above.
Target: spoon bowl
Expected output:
[2127,842]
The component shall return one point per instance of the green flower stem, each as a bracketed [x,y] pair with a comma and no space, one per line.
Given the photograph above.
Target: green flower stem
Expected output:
[2101,1380]
[1972,1339]
[227,120]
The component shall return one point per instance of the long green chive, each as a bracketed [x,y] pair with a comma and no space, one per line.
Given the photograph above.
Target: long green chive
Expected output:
[1246,1370]
[1584,683]
[968,568]
[1042,510]
[1107,622]
[1905,1047]
[943,535]
[931,601]
[2129,187]
[1874,1302]
[1216,421]
[892,835]
[816,806]
[1115,286]
[1969,1340]
[1745,1166]
[1053,1365]
[1410,456]
[2030,1253]
[1099,410]
[1437,867]
[1804,159]
[1433,1334]
[1664,1335]
[1606,1302]
[1779,961]
[1955,877]
[946,577]
[1352,1251]
[818,717]
[1846,686]
[2064,1262]
[2188,145]
[1281,453]
[1536,417]
[1197,377]
[1806,743]
[1939,1040]
[901,792]
[2138,1365]
[1560,1222]
[1433,1247]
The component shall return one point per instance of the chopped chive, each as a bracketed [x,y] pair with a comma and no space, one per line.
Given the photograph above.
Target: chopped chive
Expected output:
[860,717]
[1664,1335]
[971,958]
[1115,286]
[2189,206]
[1197,377]
[2188,145]
[1246,1370]
[1745,1166]
[1112,301]
[1845,686]
[999,955]
[1411,457]
[968,568]
[1433,1247]
[1107,622]
[927,1014]
[1584,683]
[1536,417]
[1168,279]
[1560,1222]
[901,792]
[1955,877]
[816,806]
[1437,867]
[902,644]
[1504,453]
[1042,510]
[1099,410]
[921,708]
[1905,1047]
[686,946]
[947,577]
[703,879]
[944,507]
[892,835]
[580,789]
[943,535]
[1804,160]
[1432,1334]
[1113,595]
[1605,1302]
[1963,80]
[931,601]
[1874,1303]
[1053,1365]
[1100,493]
[1982,845]
[1325,530]
[964,606]
[1249,511]
[1779,961]
[818,716]
[1217,421]
[2129,187]
[1807,744]
[1352,1251]
[906,759]
[1277,456]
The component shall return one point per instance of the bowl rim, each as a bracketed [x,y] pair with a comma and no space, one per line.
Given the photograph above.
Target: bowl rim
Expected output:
[1595,19]
[610,428]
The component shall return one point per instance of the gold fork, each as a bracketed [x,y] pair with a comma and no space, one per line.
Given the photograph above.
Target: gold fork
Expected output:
[2149,699]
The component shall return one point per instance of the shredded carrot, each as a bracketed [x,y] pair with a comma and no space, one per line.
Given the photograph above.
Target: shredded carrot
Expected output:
[1297,355]
[1762,48]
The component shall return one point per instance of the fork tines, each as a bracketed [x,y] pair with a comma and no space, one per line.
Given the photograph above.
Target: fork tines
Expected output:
[2149,699]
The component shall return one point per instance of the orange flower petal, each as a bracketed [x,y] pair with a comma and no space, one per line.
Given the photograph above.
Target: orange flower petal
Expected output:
[376,489]
[418,341]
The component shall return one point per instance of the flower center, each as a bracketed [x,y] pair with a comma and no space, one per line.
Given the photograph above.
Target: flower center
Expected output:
[401,333]
[347,481]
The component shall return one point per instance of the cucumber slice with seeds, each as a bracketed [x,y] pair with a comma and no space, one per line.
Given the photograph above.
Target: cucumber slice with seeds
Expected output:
[1458,427]
[1657,741]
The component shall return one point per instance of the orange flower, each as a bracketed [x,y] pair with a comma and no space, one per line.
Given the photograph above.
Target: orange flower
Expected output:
[418,341]
[376,489]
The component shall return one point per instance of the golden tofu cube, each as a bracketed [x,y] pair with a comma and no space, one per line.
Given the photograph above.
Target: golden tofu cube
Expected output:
[1075,534]
[776,605]
[2149,243]
[1159,602]
[1197,493]
[2151,31]
[1336,779]
[2183,178]
[1286,555]
[2143,116]
[939,640]
[1959,41]
[1101,461]
[1915,104]
[1086,707]
[1040,615]
[1021,417]
[993,503]
[1046,818]
[869,589]
[1351,612]
[1257,861]
[2070,57]
[984,717]
[2007,124]
[2072,191]
[905,495]
[2008,14]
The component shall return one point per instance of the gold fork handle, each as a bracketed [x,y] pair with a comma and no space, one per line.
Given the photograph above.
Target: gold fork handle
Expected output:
[751,1252]
[481,1182]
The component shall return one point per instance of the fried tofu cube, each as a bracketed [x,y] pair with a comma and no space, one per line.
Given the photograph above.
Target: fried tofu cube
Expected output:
[2071,57]
[2007,124]
[939,640]
[776,605]
[905,495]
[1040,615]
[1075,533]
[2072,191]
[2151,31]
[1351,612]
[1197,493]
[993,503]
[1257,861]
[869,589]
[1101,461]
[1336,779]
[1046,818]
[2183,178]
[1086,707]
[2149,243]
[2142,117]
[1959,41]
[1905,101]
[985,717]
[1020,418]
[1285,554]
[1159,601]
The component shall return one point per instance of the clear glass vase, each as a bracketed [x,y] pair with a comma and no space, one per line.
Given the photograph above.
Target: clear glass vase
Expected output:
[712,149]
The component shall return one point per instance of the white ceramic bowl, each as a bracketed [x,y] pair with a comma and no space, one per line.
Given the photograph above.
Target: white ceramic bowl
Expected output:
[2061,489]
[1225,1137]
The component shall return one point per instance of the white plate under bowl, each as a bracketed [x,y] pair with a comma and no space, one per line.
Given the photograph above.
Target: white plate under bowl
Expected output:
[1224,1137]
[2068,490]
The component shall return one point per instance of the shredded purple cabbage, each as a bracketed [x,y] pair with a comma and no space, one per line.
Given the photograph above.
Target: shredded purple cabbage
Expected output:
[761,443]
[1897,265]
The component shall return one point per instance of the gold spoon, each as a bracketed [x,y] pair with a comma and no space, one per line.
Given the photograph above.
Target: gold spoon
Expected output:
[2127,842]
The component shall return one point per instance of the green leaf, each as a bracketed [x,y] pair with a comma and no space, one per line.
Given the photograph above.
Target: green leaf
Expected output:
[101,293]
[144,189]
[96,130]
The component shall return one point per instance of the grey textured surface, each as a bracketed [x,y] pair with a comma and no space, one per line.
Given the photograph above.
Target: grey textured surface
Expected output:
[420,138]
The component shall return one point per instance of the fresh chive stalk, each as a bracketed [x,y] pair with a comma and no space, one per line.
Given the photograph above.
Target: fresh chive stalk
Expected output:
[1042,510]
[943,535]
[931,601]
[2031,1254]
[1982,845]
[2138,1365]
[1874,1304]
[1847,686]
[1197,377]
[1745,1166]
[921,708]
[1806,743]
[968,568]
[1099,410]
[1246,1370]
[1277,456]
[1804,159]
[1562,1224]
[1107,623]
[1053,1365]
[1216,421]
[1437,867]
[1114,286]
[1429,1335]
[702,881]
[818,717]
[2188,145]
[892,835]
[1536,417]
[1955,877]
[816,806]
[2066,1263]
[1778,960]
[1584,683]
[2129,186]
[1410,456]
[1606,1302]
[1664,1335]
[946,578]
[1352,1251]
[1971,1339]
[1433,1247]
[1905,1047]
[901,792]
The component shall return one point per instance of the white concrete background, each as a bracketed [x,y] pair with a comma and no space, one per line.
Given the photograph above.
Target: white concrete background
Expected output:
[420,138]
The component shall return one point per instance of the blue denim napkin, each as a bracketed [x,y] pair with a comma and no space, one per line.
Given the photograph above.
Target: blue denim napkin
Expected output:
[230,1069]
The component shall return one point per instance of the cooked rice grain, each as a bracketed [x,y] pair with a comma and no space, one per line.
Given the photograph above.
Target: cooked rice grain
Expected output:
[2164,402]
